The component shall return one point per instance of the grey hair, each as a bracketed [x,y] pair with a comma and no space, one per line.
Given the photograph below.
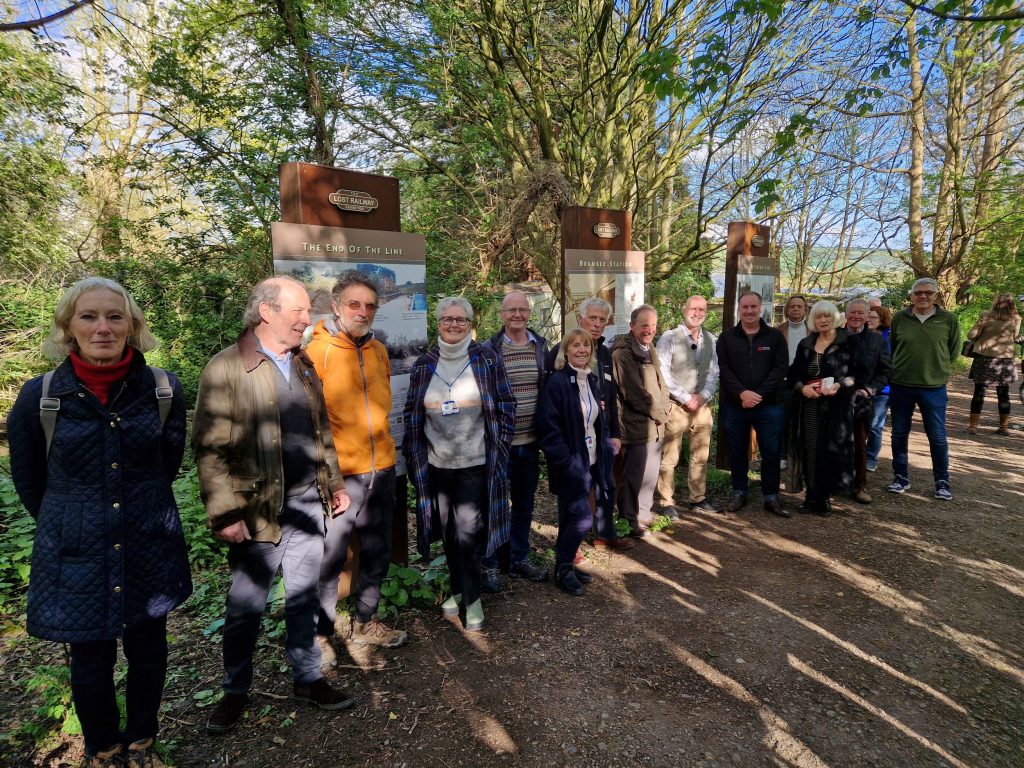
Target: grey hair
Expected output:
[862,301]
[595,302]
[826,307]
[454,301]
[929,281]
[59,342]
[265,292]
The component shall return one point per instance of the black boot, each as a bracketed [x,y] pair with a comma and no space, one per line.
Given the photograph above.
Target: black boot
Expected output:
[824,508]
[565,579]
[582,576]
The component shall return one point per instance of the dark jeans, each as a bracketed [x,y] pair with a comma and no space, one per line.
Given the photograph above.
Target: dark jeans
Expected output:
[254,565]
[1002,399]
[460,498]
[932,402]
[574,521]
[92,685]
[767,422]
[880,404]
[370,514]
[523,476]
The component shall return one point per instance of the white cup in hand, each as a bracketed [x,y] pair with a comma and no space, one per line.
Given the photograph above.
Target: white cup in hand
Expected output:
[827,382]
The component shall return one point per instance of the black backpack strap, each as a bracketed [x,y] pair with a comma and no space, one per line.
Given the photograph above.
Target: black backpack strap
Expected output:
[48,407]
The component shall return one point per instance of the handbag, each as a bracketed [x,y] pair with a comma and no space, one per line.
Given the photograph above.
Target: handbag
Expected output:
[967,350]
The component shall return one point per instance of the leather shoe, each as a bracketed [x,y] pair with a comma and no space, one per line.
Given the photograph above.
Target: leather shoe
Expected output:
[862,496]
[638,532]
[582,576]
[669,511]
[616,543]
[527,570]
[565,580]
[824,509]
[705,505]
[736,503]
[227,713]
[774,507]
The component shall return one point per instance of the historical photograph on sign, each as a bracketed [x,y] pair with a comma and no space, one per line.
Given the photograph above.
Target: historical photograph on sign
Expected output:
[401,321]
[615,276]
[764,286]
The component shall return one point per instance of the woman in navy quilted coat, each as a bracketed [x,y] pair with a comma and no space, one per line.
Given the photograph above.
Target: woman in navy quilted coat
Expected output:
[109,559]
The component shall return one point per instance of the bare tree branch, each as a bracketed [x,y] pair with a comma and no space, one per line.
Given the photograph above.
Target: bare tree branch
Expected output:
[42,22]
[1007,16]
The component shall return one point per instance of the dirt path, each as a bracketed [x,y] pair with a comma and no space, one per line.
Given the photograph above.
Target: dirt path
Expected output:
[887,635]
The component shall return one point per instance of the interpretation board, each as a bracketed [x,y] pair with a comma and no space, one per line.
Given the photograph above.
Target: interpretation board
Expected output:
[335,220]
[748,267]
[597,261]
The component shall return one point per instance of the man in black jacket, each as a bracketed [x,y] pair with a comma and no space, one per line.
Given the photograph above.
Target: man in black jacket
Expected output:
[872,370]
[752,360]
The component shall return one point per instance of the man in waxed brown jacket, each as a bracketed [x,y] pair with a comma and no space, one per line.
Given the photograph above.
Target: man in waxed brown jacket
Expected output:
[643,414]
[269,477]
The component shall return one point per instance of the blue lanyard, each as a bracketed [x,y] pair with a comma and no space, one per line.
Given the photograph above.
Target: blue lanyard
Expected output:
[452,382]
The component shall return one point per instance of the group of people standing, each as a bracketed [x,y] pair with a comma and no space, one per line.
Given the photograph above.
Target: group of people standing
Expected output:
[295,454]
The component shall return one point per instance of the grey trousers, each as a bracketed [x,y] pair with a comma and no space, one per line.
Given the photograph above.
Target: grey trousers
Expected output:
[254,566]
[638,467]
[370,514]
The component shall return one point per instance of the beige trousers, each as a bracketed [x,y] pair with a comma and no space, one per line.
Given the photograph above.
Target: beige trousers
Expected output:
[698,427]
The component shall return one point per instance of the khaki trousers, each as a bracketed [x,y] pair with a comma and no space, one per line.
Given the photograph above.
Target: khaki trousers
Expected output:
[698,427]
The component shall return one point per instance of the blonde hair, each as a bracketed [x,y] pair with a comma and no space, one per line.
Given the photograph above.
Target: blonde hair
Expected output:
[59,342]
[573,333]
[825,307]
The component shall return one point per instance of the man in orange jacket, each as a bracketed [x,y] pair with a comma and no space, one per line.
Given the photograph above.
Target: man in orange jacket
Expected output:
[356,377]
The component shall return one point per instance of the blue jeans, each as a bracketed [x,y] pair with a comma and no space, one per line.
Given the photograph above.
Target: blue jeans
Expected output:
[523,476]
[254,565]
[932,402]
[767,422]
[880,403]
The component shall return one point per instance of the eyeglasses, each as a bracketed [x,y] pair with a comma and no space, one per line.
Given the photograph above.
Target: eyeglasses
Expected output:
[924,293]
[516,310]
[355,306]
[458,322]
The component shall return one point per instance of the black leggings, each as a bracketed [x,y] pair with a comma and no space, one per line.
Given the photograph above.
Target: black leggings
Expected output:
[1002,396]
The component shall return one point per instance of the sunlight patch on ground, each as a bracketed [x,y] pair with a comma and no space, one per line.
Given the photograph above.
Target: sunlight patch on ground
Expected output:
[881,714]
[855,651]
[912,611]
[778,737]
[708,563]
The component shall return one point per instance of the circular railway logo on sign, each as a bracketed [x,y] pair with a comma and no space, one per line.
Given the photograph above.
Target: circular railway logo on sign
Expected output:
[351,200]
[757,241]
[606,230]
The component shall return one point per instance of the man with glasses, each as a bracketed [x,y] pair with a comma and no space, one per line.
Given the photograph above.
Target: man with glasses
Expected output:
[925,340]
[689,364]
[522,351]
[356,375]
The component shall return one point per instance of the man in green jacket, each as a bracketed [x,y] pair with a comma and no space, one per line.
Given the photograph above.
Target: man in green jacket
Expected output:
[925,341]
[270,480]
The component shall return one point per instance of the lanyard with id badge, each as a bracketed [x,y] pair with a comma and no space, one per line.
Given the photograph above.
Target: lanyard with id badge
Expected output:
[450,407]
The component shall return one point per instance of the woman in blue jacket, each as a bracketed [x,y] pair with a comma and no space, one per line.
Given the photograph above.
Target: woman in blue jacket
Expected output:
[575,438]
[109,558]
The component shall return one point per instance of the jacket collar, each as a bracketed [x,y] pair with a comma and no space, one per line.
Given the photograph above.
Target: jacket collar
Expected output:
[252,355]
[65,381]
